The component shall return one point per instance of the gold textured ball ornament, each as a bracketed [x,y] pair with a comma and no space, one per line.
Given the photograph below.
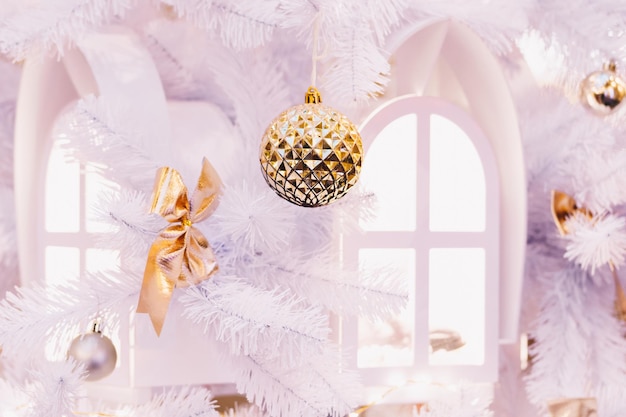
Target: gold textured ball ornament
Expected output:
[311,154]
[603,91]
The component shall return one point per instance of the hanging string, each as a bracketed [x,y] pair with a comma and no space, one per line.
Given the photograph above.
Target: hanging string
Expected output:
[314,54]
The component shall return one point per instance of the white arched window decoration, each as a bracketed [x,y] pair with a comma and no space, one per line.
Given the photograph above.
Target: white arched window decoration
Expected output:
[99,65]
[436,181]
[73,234]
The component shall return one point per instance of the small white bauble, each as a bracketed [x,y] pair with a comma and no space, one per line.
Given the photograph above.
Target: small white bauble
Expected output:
[96,353]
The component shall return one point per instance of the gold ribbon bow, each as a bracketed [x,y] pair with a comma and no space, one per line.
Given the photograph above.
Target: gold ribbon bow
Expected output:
[180,256]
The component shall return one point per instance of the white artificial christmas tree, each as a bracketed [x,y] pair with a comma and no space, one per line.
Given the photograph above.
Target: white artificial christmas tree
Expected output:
[223,70]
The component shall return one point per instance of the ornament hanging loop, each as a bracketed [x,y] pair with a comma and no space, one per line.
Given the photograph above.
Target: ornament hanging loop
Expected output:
[314,54]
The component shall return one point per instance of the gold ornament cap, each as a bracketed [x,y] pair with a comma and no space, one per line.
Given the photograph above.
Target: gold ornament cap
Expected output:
[603,91]
[312,96]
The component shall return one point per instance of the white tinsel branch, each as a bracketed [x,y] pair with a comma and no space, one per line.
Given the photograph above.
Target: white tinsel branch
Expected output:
[175,402]
[596,242]
[251,320]
[316,388]
[374,293]
[587,34]
[31,316]
[54,389]
[555,146]
[487,22]
[54,24]
[598,176]
[611,401]
[13,398]
[561,336]
[134,228]
[357,68]
[238,24]
[98,134]
[250,100]
[252,220]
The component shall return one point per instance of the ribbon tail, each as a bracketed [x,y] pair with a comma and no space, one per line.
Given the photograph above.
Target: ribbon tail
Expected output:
[156,291]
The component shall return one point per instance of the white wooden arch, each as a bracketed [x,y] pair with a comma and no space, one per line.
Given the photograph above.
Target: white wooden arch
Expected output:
[111,63]
[446,59]
[423,239]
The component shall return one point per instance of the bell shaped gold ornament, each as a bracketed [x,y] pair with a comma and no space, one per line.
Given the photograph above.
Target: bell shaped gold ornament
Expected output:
[603,91]
[311,154]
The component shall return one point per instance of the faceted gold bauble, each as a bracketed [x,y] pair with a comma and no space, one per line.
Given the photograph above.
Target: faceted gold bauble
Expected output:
[603,91]
[311,154]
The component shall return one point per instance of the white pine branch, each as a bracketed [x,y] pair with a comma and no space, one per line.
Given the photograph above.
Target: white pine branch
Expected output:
[183,71]
[597,242]
[31,316]
[357,68]
[600,178]
[13,397]
[555,164]
[176,402]
[163,39]
[587,34]
[316,388]
[498,33]
[98,134]
[350,35]
[383,16]
[252,220]
[134,228]
[254,321]
[611,400]
[607,359]
[54,25]
[55,389]
[238,24]
[559,367]
[256,102]
[374,293]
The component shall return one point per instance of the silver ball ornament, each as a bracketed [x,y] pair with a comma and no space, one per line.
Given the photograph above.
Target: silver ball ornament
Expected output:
[96,353]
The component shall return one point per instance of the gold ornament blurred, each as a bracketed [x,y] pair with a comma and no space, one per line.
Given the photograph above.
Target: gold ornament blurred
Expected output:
[603,91]
[311,154]
[573,407]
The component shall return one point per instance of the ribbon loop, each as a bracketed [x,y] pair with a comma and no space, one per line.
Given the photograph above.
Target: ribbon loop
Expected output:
[180,256]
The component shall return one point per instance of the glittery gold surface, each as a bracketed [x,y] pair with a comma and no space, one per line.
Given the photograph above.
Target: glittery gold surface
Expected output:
[573,407]
[311,155]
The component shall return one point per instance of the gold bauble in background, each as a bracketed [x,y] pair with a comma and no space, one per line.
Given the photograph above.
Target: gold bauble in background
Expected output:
[311,154]
[603,91]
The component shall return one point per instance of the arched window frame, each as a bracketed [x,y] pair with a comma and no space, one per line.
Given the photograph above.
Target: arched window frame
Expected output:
[422,239]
